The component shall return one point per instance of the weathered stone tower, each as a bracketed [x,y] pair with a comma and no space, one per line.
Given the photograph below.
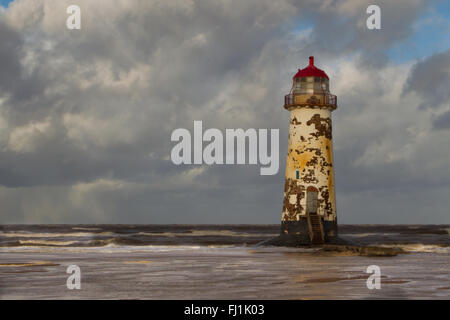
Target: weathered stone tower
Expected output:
[309,206]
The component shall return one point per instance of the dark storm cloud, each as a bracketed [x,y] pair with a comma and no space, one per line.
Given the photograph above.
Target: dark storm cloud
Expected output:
[86,116]
[442,121]
[431,79]
[9,57]
[15,85]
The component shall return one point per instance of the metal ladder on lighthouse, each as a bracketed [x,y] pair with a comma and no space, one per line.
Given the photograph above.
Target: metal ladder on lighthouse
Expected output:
[316,233]
[315,229]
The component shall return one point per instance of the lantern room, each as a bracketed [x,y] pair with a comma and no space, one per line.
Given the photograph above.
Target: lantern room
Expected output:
[311,87]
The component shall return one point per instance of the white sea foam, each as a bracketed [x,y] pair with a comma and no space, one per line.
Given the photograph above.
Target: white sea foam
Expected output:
[114,248]
[418,247]
[52,235]
[47,242]
[361,235]
[206,233]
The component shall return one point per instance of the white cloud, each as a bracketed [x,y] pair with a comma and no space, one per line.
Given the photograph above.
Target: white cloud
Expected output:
[26,138]
[89,132]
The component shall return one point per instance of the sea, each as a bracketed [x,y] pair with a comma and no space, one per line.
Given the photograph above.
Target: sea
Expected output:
[218,262]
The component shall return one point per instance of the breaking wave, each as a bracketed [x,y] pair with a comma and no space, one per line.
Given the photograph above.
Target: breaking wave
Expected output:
[51,235]
[418,247]
[425,238]
[45,243]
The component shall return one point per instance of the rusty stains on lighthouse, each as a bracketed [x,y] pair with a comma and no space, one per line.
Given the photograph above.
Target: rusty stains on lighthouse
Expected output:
[309,202]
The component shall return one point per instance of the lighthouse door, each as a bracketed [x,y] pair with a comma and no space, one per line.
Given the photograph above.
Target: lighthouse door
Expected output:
[311,200]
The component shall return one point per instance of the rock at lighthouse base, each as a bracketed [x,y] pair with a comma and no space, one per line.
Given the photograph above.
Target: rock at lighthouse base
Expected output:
[286,240]
[334,246]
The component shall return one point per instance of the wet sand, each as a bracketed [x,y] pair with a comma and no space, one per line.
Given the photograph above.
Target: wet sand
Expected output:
[221,273]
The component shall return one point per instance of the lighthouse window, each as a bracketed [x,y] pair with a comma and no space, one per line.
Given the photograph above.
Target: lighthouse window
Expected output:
[297,174]
[302,83]
[297,84]
[317,85]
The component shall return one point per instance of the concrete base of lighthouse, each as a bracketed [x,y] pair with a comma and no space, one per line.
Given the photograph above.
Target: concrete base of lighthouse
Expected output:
[297,234]
[300,229]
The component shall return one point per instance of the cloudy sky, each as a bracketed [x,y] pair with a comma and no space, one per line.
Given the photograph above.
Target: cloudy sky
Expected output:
[86,115]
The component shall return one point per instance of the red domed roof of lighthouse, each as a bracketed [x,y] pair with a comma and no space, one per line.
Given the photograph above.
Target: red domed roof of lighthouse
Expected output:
[310,71]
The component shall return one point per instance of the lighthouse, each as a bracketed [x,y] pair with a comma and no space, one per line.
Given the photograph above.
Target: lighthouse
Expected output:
[309,203]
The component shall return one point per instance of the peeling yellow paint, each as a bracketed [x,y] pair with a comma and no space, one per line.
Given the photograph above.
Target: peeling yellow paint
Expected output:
[310,153]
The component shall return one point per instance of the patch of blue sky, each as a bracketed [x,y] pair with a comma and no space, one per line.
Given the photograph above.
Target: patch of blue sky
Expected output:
[5,3]
[302,24]
[430,35]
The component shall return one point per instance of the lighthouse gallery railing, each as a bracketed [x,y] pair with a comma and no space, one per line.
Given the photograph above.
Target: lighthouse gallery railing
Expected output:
[328,99]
